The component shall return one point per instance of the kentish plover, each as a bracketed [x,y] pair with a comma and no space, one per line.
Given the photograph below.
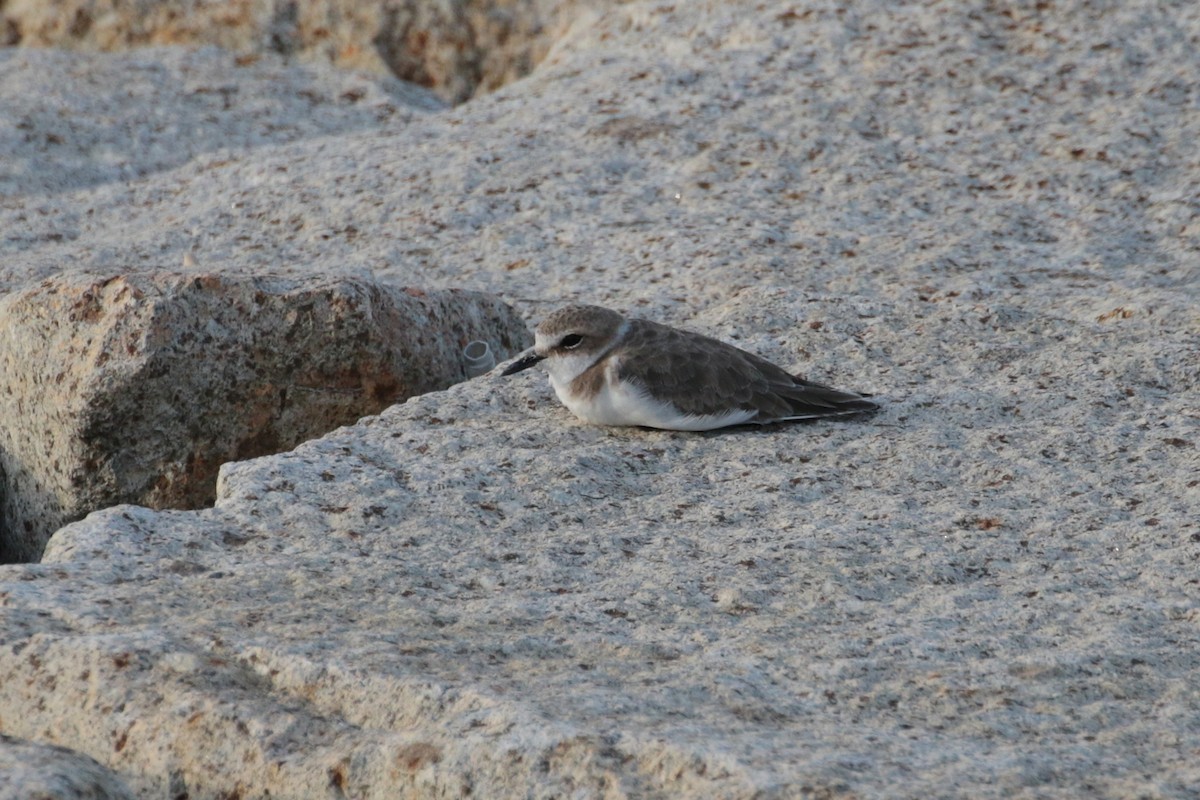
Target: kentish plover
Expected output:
[609,370]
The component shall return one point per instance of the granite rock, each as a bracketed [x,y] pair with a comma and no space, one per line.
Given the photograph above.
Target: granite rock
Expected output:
[984,213]
[136,388]
[47,772]
[154,109]
[455,48]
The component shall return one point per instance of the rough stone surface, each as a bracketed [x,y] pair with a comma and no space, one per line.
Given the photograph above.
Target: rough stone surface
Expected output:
[456,48]
[984,213]
[155,109]
[34,771]
[136,388]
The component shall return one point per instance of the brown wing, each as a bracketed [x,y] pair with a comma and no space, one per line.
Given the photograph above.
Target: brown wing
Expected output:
[705,376]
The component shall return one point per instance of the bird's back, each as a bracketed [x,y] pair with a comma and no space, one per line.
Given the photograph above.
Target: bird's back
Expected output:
[702,376]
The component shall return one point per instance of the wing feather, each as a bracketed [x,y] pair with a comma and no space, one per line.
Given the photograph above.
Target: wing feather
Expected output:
[704,376]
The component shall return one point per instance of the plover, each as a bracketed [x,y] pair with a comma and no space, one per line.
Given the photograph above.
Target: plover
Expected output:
[609,370]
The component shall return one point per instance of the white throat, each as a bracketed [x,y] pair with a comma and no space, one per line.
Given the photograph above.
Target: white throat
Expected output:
[566,367]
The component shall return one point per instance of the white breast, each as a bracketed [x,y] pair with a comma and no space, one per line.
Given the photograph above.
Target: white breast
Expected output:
[619,403]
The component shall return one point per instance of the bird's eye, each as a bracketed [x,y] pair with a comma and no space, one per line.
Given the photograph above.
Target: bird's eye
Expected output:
[571,341]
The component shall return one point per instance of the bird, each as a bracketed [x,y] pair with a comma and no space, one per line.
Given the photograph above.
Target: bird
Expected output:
[610,370]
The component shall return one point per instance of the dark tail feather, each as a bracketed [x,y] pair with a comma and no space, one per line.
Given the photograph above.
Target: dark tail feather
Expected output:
[809,400]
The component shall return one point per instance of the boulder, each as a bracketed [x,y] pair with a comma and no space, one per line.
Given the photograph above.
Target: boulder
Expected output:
[455,48]
[154,109]
[49,772]
[136,388]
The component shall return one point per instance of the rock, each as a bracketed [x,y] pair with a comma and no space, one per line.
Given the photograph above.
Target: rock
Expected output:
[983,213]
[48,772]
[156,108]
[455,48]
[136,388]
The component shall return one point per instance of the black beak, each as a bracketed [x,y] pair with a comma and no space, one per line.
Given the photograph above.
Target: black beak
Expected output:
[524,362]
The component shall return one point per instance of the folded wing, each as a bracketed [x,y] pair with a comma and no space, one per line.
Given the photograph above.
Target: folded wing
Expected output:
[702,377]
